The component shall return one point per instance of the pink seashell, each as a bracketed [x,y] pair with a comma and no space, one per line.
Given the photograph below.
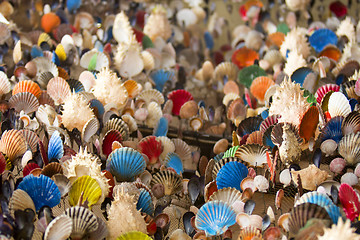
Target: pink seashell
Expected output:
[357,170]
[349,178]
[337,165]
[357,87]
[251,172]
[141,114]
[168,117]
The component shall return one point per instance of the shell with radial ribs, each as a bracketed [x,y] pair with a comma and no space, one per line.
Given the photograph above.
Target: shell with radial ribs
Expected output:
[84,163]
[122,30]
[289,102]
[108,88]
[296,40]
[124,217]
[157,24]
[341,230]
[76,113]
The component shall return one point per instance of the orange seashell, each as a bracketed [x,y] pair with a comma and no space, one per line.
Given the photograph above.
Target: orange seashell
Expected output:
[259,87]
[51,169]
[252,3]
[63,73]
[255,137]
[275,39]
[132,88]
[231,87]
[309,123]
[244,57]
[13,144]
[27,86]
[331,52]
[49,21]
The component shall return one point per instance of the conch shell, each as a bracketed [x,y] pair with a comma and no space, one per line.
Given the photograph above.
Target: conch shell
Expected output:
[311,177]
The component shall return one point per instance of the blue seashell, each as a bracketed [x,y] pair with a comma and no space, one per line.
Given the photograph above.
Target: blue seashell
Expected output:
[160,77]
[73,5]
[264,114]
[230,152]
[108,35]
[145,203]
[76,86]
[353,103]
[99,46]
[340,79]
[42,190]
[55,59]
[55,148]
[316,198]
[161,128]
[97,107]
[36,52]
[334,212]
[214,218]
[126,163]
[321,38]
[332,130]
[209,40]
[231,175]
[219,157]
[174,161]
[300,74]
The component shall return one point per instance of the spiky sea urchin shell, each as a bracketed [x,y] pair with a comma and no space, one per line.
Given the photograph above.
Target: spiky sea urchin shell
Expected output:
[289,103]
[346,28]
[157,24]
[122,29]
[76,113]
[108,88]
[295,40]
[294,61]
[123,216]
[84,163]
[340,231]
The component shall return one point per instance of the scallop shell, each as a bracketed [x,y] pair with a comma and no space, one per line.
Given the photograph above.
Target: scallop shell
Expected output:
[119,125]
[259,86]
[130,121]
[151,95]
[63,183]
[20,200]
[52,169]
[351,123]
[250,233]
[167,145]
[148,59]
[219,164]
[84,221]
[226,69]
[13,144]
[89,58]
[321,91]
[45,65]
[255,137]
[27,86]
[249,125]
[236,109]
[59,228]
[31,138]
[171,181]
[183,150]
[24,101]
[84,188]
[277,133]
[228,195]
[338,105]
[4,83]
[132,87]
[349,148]
[311,177]
[253,154]
[189,109]
[87,79]
[229,97]
[236,170]
[46,114]
[58,89]
[89,129]
[155,113]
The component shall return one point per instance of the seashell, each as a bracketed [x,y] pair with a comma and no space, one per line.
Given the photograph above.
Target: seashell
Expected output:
[332,129]
[31,139]
[154,115]
[132,87]
[250,233]
[248,183]
[59,228]
[167,146]
[228,195]
[151,147]
[338,105]
[4,83]
[259,86]
[126,163]
[323,90]
[84,189]
[209,215]
[244,57]
[225,69]
[196,124]
[275,39]
[278,132]
[49,21]
[29,167]
[145,203]
[62,182]
[43,64]
[349,178]
[188,109]
[328,147]
[304,212]
[269,121]
[273,233]
[42,190]
[58,89]
[52,169]
[158,25]
[308,124]
[55,147]
[172,160]
[283,221]
[249,125]
[349,200]
[24,101]
[110,137]
[89,129]
[348,148]
[134,235]
[337,165]
[236,170]
[220,163]
[171,181]
[151,95]
[27,86]
[148,60]
[161,127]
[236,110]
[94,60]
[13,144]
[321,38]
[83,221]
[183,150]
[261,183]
[220,146]
[20,200]
[350,124]
[255,138]
[253,154]
[311,177]
[179,98]
[231,88]
[119,125]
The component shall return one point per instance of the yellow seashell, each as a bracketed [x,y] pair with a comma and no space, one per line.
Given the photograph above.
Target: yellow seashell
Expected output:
[60,52]
[44,37]
[84,189]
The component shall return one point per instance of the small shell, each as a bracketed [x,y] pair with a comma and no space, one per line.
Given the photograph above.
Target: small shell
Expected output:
[311,177]
[261,183]
[338,105]
[227,69]
[283,221]
[58,89]
[328,147]
[189,109]
[59,228]
[220,146]
[87,223]
[248,182]
[349,178]
[24,101]
[349,148]
[285,177]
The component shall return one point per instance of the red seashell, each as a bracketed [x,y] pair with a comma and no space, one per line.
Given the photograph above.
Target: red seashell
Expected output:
[244,139]
[269,121]
[179,97]
[251,172]
[140,18]
[43,153]
[107,48]
[338,8]
[320,93]
[225,48]
[111,182]
[29,167]
[2,163]
[309,123]
[349,201]
[109,138]
[138,34]
[68,151]
[151,147]
[242,12]
[218,57]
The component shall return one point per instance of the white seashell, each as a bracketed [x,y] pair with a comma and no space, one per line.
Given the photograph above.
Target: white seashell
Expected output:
[43,64]
[89,129]
[155,113]
[141,114]
[87,79]
[121,29]
[4,83]
[321,189]
[17,53]
[130,121]
[46,114]
[238,206]
[328,147]
[148,60]
[26,158]
[349,178]
[59,228]
[261,183]
[20,200]
[243,220]
[102,60]
[256,221]
[338,105]
[271,214]
[285,177]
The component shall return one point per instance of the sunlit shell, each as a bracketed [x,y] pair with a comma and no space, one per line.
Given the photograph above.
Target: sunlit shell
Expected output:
[226,69]
[45,65]
[24,101]
[311,177]
[151,95]
[171,181]
[349,148]
[58,89]
[259,86]
[13,144]
[132,87]
[27,86]
[94,60]
[338,105]
[252,154]
[87,79]
[188,109]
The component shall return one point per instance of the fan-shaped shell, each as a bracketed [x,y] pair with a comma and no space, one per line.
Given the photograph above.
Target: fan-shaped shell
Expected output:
[179,97]
[84,221]
[231,175]
[126,163]
[132,87]
[269,121]
[84,188]
[13,144]
[4,83]
[309,123]
[151,95]
[338,105]
[351,123]
[219,164]
[62,182]
[145,203]
[20,200]
[332,129]
[349,148]
[321,91]
[89,129]
[43,64]
[51,169]
[228,195]
[249,125]
[171,181]
[24,101]
[94,60]
[151,147]
[27,86]
[259,86]
[31,138]
[59,228]
[58,89]
[226,69]
[277,133]
[253,154]
[119,125]
[134,235]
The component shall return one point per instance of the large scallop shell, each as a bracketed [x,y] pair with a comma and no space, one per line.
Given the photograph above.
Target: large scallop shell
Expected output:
[253,154]
[351,124]
[84,188]
[338,105]
[228,195]
[219,164]
[13,144]
[58,89]
[231,175]
[27,86]
[171,181]
[24,101]
[259,86]
[20,200]
[43,64]
[59,228]
[349,148]
[84,221]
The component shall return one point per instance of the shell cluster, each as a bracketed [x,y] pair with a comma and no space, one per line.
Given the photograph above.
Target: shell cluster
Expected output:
[168,120]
